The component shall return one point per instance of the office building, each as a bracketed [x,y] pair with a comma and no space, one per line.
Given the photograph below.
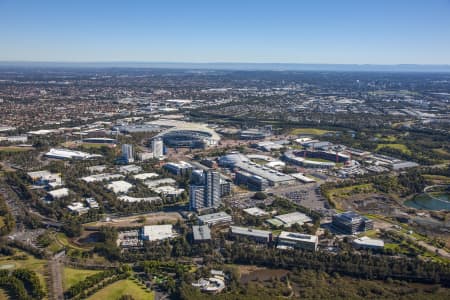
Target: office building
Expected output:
[212,188]
[127,153]
[259,236]
[180,169]
[252,182]
[289,240]
[157,148]
[196,197]
[207,194]
[350,222]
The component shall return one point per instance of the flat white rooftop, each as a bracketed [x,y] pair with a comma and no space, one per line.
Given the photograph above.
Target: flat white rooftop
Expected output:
[293,218]
[119,186]
[256,212]
[157,232]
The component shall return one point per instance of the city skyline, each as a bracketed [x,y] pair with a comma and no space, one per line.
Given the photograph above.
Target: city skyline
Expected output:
[323,32]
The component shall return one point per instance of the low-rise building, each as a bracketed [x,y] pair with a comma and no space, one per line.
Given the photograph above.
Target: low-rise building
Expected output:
[128,169]
[201,233]
[92,203]
[59,193]
[256,212]
[293,218]
[368,243]
[157,232]
[215,218]
[289,240]
[259,236]
[78,208]
[119,186]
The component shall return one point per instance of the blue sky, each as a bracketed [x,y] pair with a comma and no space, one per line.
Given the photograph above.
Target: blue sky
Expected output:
[290,31]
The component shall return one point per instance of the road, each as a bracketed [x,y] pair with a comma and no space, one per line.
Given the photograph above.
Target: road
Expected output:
[56,277]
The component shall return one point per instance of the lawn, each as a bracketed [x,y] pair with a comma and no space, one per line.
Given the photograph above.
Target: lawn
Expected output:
[73,276]
[312,131]
[399,147]
[123,287]
[15,149]
[350,190]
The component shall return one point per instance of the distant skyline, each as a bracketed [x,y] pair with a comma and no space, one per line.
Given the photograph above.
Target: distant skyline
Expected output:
[199,31]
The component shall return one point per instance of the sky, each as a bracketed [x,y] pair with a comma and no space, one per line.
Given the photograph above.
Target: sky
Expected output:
[260,31]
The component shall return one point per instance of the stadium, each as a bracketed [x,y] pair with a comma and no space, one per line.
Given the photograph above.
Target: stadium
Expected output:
[180,134]
[315,159]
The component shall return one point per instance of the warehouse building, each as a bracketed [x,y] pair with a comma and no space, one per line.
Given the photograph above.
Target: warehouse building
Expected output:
[273,177]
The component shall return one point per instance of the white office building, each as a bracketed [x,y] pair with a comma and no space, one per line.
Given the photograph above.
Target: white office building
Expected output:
[290,240]
[157,148]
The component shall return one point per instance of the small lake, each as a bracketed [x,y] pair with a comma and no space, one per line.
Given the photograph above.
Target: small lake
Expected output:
[438,201]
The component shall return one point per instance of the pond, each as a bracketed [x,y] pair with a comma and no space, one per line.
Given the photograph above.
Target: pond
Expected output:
[431,201]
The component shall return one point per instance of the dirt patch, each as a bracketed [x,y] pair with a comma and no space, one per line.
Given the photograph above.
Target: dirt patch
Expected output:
[136,221]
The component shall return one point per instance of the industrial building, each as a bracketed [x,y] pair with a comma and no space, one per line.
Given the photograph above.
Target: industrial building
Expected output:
[215,218]
[273,177]
[289,240]
[69,154]
[350,222]
[259,236]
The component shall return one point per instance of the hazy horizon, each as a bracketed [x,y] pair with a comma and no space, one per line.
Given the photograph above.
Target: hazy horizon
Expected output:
[292,32]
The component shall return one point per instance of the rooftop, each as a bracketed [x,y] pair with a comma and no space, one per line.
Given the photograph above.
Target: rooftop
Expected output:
[298,237]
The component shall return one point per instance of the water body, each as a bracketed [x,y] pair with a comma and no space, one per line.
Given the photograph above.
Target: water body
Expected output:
[437,201]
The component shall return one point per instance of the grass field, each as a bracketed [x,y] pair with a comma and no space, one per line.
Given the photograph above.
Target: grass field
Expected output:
[334,194]
[73,276]
[399,147]
[15,149]
[312,131]
[120,288]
